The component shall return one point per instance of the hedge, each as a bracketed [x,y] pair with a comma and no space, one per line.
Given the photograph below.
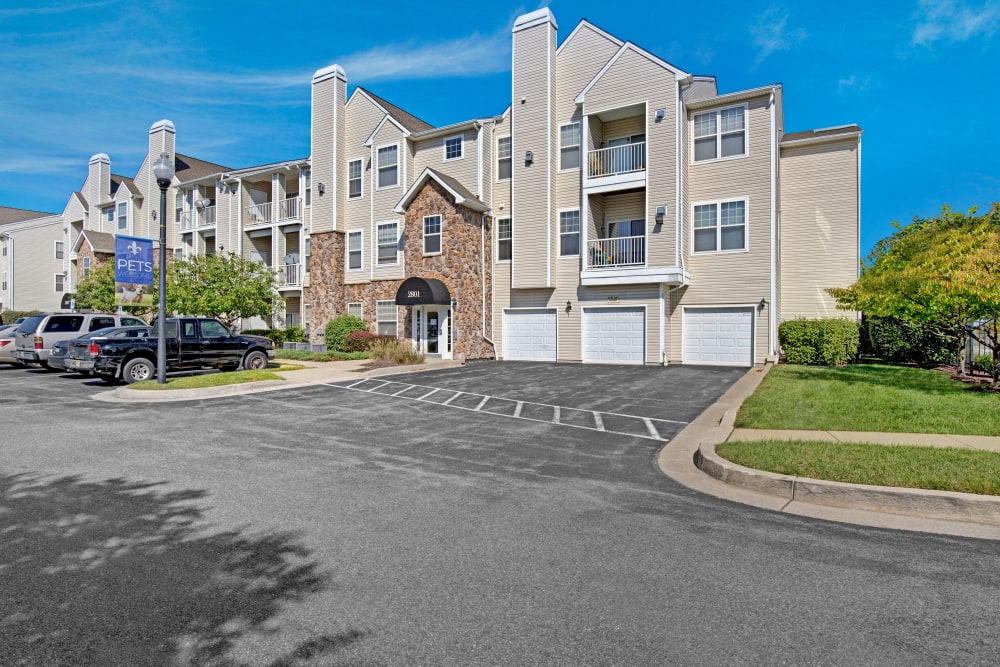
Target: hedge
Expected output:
[826,342]
[338,328]
[905,341]
[360,341]
[288,335]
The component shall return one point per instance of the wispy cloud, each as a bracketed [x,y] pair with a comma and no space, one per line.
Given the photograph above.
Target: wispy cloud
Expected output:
[954,21]
[771,33]
[13,12]
[854,82]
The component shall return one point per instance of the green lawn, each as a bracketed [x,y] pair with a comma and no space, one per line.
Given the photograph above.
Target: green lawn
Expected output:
[869,397]
[307,355]
[943,469]
[208,380]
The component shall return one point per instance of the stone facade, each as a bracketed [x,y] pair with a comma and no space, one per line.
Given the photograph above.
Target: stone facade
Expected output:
[96,259]
[467,250]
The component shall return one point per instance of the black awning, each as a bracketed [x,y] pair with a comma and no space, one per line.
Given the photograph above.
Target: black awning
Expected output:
[421,291]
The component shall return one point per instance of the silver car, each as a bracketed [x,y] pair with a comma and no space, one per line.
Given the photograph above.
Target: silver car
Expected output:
[7,346]
[38,333]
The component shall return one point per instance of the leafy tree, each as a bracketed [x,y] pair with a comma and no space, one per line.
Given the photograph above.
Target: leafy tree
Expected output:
[223,285]
[943,272]
[96,290]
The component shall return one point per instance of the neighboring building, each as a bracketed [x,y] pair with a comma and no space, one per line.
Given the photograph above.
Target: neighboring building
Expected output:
[33,260]
[628,213]
[620,210]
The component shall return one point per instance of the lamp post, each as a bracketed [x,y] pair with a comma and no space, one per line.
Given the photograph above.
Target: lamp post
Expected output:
[163,170]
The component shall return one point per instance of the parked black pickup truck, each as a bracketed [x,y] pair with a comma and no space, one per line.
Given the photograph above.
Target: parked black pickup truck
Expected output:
[192,343]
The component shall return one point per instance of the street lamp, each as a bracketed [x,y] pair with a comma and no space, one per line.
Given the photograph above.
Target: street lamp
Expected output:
[163,169]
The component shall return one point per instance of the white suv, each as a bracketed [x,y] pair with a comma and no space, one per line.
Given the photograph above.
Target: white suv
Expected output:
[38,333]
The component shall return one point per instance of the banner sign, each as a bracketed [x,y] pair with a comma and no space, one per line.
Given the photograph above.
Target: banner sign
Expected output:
[133,270]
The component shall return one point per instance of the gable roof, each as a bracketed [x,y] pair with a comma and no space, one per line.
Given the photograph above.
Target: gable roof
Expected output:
[385,119]
[8,215]
[410,122]
[187,168]
[629,46]
[584,23]
[461,194]
[99,241]
[80,198]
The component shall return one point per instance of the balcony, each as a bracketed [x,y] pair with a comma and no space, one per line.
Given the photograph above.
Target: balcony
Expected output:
[287,211]
[623,261]
[191,220]
[616,252]
[290,275]
[616,168]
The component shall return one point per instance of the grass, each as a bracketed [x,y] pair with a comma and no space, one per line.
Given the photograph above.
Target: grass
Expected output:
[869,397]
[208,380]
[308,355]
[942,469]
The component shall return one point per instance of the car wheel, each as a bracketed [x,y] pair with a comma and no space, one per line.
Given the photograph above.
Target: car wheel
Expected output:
[255,361]
[137,370]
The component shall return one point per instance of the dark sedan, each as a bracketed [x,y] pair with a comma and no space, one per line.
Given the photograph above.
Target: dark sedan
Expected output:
[79,357]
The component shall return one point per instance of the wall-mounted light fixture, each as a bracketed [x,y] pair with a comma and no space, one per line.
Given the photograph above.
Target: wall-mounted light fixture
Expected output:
[528,157]
[320,188]
[661,211]
[659,114]
[762,304]
[454,303]
[569,305]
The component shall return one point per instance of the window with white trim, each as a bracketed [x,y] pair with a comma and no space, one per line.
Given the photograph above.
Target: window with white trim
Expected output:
[4,287]
[453,147]
[354,245]
[354,188]
[432,234]
[720,134]
[308,254]
[122,216]
[109,217]
[720,226]
[355,309]
[388,166]
[569,233]
[504,240]
[59,250]
[388,241]
[86,267]
[59,282]
[178,207]
[386,315]
[179,253]
[569,146]
[307,178]
[504,161]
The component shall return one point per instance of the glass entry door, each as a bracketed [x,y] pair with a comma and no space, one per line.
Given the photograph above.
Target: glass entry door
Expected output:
[432,330]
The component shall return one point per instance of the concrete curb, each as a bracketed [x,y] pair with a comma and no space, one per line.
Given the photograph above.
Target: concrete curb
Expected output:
[690,459]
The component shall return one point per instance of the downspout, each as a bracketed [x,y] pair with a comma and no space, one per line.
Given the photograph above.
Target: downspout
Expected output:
[479,140]
[482,258]
[772,315]
[239,215]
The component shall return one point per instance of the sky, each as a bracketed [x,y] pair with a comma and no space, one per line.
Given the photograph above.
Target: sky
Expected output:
[921,77]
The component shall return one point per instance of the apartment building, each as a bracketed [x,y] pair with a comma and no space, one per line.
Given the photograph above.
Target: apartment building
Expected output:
[620,210]
[33,264]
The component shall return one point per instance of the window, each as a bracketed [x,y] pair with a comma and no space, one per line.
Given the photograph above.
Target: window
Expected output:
[355,309]
[213,329]
[719,134]
[385,315]
[720,226]
[179,253]
[308,254]
[354,179]
[59,282]
[453,148]
[101,323]
[308,178]
[86,267]
[504,241]
[569,233]
[388,166]
[4,288]
[109,216]
[354,251]
[132,322]
[504,162]
[122,215]
[59,249]
[388,239]
[432,234]
[178,207]
[569,146]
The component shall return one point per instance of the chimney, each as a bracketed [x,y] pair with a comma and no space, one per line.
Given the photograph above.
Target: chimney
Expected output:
[329,98]
[98,190]
[161,140]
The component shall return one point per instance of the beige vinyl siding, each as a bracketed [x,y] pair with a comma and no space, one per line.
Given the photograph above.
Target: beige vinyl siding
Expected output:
[699,90]
[534,129]
[430,153]
[328,103]
[819,226]
[362,119]
[733,278]
[74,211]
[501,189]
[624,206]
[385,200]
[31,264]
[635,80]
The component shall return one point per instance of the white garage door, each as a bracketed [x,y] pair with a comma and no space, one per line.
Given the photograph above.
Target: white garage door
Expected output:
[718,336]
[530,335]
[614,335]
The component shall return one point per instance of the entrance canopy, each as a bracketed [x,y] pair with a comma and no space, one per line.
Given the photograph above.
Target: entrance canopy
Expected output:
[422,291]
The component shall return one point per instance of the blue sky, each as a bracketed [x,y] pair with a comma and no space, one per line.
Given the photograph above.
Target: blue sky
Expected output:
[77,78]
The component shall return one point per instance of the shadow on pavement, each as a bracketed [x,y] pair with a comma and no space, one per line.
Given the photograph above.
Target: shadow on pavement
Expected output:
[124,573]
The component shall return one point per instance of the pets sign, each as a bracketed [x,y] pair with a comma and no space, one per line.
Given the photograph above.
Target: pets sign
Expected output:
[133,270]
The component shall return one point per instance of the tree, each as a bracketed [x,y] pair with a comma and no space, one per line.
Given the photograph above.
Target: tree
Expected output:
[943,272]
[223,285]
[96,290]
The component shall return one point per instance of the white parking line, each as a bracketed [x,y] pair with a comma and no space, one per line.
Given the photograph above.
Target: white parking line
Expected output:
[432,391]
[456,395]
[598,422]
[652,429]
[482,403]
[556,415]
[517,410]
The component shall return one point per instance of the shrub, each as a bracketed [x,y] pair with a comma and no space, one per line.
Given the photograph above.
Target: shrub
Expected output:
[983,363]
[360,341]
[294,334]
[10,315]
[905,341]
[827,342]
[387,348]
[274,334]
[338,328]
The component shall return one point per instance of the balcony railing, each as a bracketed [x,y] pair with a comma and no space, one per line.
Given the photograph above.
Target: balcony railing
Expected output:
[258,214]
[290,209]
[616,160]
[195,219]
[616,252]
[290,275]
